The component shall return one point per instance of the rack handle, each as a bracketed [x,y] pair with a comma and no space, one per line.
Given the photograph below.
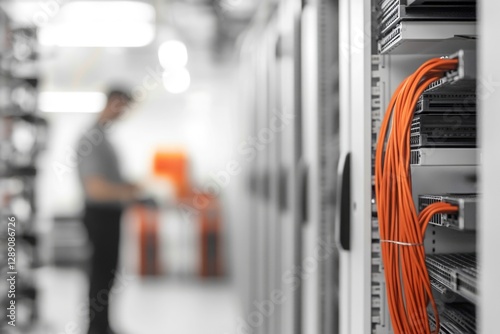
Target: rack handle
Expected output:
[302,182]
[343,214]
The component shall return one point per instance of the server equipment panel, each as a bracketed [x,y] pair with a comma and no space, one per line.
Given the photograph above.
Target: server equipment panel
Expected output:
[456,271]
[443,130]
[463,219]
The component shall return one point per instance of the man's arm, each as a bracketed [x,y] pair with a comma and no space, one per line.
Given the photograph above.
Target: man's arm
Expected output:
[99,189]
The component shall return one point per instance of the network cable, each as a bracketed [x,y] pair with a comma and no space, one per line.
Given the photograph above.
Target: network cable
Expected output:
[402,230]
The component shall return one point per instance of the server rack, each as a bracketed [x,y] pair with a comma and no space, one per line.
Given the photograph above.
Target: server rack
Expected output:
[289,171]
[446,160]
[372,72]
[22,138]
[260,49]
[321,154]
[296,173]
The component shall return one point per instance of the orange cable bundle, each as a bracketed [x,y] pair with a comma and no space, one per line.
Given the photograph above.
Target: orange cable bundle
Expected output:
[401,229]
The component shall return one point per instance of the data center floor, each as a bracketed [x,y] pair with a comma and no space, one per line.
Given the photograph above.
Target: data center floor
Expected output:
[151,306]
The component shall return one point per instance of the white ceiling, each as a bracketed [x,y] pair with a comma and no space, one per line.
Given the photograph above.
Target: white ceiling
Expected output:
[195,22]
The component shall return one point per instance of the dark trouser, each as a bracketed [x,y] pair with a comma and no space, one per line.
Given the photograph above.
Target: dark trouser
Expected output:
[103,227]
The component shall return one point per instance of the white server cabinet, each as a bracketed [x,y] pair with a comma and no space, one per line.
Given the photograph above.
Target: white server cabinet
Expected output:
[359,69]
[355,143]
[292,51]
[310,159]
[289,105]
[271,45]
[319,30]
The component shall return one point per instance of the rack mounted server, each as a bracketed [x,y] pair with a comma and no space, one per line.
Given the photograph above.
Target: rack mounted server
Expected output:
[443,130]
[395,11]
[457,272]
[464,219]
[462,80]
[416,36]
[444,157]
[456,102]
[406,26]
[440,2]
[456,319]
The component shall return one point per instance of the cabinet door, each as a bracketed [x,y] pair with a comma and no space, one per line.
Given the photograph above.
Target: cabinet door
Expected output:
[355,133]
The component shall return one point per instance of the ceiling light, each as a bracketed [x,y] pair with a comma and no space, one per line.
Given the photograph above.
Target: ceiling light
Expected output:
[101,24]
[107,11]
[97,35]
[71,102]
[176,81]
[173,54]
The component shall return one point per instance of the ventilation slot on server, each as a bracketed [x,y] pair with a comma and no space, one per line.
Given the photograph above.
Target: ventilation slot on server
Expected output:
[457,272]
[415,157]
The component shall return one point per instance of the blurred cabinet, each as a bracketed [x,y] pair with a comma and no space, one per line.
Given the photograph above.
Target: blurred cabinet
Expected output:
[291,103]
[22,137]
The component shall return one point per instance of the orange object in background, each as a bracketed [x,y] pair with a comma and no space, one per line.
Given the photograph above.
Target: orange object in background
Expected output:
[148,225]
[211,238]
[173,166]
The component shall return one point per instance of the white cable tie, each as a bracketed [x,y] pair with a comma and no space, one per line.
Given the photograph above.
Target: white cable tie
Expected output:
[401,243]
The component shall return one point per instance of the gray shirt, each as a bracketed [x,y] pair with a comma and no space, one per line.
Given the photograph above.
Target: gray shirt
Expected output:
[97,157]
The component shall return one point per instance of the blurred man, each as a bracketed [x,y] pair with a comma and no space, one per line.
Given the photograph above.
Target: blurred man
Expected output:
[106,194]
